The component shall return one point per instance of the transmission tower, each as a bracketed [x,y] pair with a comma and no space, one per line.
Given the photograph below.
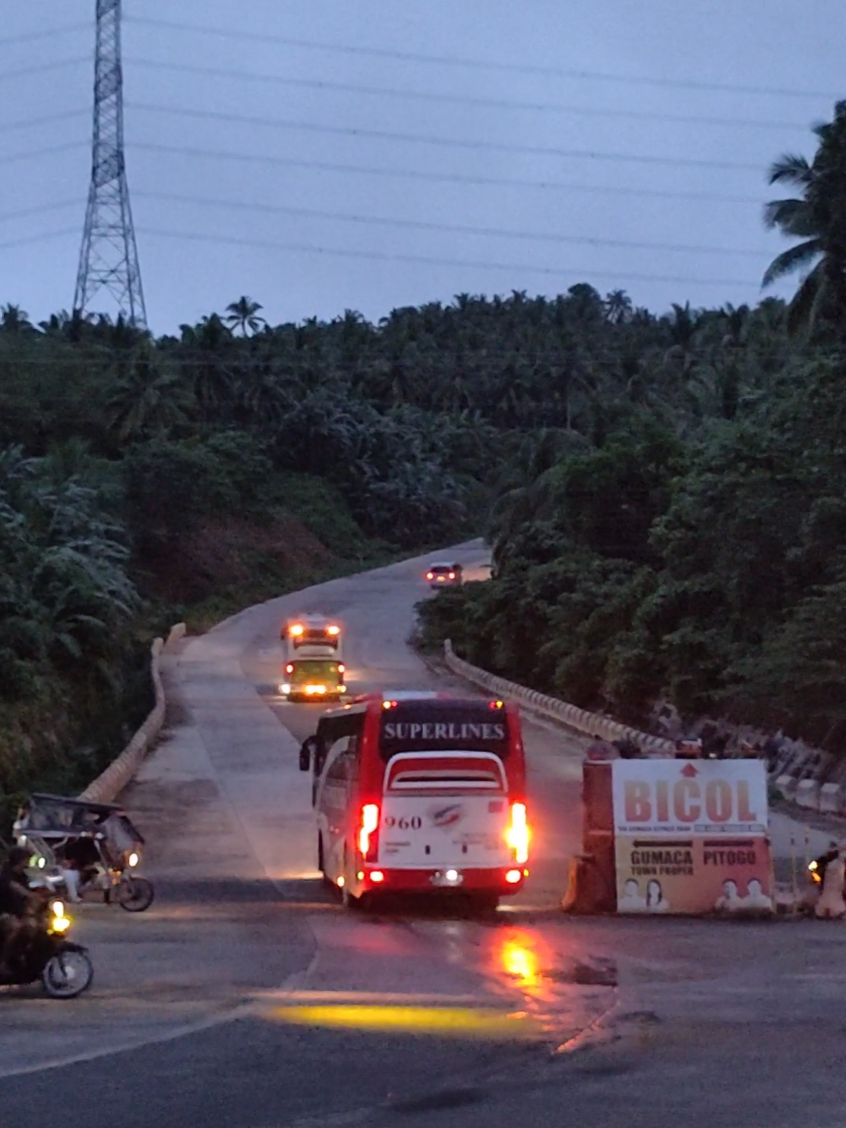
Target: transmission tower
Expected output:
[108,261]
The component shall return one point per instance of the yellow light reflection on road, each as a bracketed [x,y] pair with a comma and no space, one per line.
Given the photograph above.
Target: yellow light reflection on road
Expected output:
[443,1022]
[521,961]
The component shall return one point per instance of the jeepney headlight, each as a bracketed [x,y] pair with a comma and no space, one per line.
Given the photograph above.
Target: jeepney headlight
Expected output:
[284,688]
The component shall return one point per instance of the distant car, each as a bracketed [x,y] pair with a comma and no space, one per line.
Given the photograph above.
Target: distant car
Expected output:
[440,575]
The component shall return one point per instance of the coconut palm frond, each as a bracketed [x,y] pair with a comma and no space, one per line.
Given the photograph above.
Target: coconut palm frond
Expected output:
[790,216]
[791,260]
[790,168]
[805,306]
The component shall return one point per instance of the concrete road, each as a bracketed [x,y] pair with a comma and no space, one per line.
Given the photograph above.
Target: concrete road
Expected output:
[247,997]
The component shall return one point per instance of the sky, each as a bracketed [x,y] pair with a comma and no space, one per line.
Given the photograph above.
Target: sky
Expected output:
[332,155]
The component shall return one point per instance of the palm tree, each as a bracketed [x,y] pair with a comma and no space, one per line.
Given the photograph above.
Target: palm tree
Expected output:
[817,217]
[735,320]
[13,319]
[145,399]
[618,307]
[242,314]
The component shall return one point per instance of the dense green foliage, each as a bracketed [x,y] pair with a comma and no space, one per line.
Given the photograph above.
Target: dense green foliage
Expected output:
[664,493]
[684,533]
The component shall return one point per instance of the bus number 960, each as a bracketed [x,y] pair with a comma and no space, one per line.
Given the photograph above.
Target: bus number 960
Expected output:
[403,823]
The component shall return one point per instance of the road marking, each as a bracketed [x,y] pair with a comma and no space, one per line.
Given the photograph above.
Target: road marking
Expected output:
[488,1023]
[251,1008]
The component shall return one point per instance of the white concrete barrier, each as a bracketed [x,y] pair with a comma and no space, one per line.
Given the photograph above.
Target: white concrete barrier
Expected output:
[786,785]
[588,723]
[832,798]
[807,794]
[109,784]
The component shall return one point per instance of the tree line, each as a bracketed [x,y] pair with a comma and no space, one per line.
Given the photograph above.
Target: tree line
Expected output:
[663,491]
[682,535]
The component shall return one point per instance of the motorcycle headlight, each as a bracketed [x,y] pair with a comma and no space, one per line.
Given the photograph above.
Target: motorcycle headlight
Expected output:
[60,923]
[58,908]
[133,860]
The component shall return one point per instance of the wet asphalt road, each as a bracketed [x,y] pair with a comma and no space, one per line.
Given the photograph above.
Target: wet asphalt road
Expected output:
[254,1001]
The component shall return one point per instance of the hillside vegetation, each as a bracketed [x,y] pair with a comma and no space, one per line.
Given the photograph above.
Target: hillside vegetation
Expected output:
[679,527]
[664,492]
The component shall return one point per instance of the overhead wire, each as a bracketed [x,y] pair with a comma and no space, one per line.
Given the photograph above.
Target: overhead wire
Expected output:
[40,238]
[451,228]
[437,177]
[42,68]
[46,119]
[47,151]
[464,61]
[432,260]
[442,142]
[46,33]
[457,99]
[40,209]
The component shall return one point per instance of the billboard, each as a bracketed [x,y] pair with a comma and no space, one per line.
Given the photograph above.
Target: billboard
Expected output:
[690,836]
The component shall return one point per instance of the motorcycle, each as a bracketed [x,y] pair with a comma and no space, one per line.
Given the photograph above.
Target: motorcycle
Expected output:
[64,968]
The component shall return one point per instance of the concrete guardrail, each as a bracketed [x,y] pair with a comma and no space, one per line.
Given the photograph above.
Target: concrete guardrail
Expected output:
[109,784]
[797,776]
[590,724]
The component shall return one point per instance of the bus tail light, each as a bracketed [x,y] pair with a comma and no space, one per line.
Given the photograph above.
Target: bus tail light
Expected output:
[517,836]
[342,669]
[289,669]
[367,836]
[514,877]
[377,876]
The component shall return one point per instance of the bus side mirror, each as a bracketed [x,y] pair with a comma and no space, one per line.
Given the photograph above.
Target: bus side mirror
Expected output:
[307,750]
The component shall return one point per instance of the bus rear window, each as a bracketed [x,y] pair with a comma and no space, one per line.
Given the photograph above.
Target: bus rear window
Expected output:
[443,726]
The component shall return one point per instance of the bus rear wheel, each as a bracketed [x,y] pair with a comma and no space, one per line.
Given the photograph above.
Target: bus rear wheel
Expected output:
[347,899]
[321,864]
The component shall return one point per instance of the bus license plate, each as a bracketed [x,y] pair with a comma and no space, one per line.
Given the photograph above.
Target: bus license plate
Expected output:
[445,879]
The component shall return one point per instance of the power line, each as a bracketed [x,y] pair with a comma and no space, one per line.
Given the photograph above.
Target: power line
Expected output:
[42,238]
[442,142]
[429,260]
[463,99]
[479,64]
[49,151]
[49,33]
[453,228]
[47,119]
[39,209]
[444,177]
[42,68]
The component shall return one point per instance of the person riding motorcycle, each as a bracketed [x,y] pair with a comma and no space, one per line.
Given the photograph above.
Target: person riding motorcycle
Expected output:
[16,901]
